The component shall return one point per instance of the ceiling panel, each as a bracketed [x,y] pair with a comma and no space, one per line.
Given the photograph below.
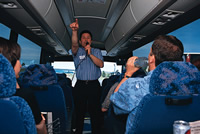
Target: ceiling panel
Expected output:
[95,8]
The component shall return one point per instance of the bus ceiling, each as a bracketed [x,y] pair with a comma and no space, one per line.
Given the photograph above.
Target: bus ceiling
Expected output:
[118,26]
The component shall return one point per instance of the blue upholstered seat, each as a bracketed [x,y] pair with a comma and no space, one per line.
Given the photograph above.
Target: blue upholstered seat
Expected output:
[175,78]
[15,112]
[156,114]
[11,121]
[43,79]
[174,88]
[66,85]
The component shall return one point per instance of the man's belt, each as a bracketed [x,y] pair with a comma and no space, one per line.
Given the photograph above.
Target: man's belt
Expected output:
[87,81]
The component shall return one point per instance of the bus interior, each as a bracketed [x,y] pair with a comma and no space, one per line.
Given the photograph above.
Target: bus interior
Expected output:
[119,27]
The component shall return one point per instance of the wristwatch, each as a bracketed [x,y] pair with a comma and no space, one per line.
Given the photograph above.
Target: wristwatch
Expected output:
[126,76]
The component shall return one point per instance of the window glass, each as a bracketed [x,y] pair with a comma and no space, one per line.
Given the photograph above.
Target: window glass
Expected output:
[4,31]
[110,68]
[30,52]
[143,51]
[188,35]
[67,68]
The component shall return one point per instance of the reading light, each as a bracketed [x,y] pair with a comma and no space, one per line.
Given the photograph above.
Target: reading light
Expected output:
[8,5]
[37,30]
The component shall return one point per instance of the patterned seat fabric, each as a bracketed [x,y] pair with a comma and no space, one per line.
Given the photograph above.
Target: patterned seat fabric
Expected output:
[38,75]
[8,88]
[49,94]
[176,83]
[175,78]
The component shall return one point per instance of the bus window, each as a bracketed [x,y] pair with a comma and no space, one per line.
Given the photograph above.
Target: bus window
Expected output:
[30,52]
[66,67]
[4,31]
[110,68]
[189,36]
[143,51]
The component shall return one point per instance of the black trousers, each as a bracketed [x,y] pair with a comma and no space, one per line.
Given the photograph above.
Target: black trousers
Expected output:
[87,99]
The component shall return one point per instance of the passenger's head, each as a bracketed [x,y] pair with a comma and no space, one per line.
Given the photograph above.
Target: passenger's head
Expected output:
[85,36]
[196,62]
[167,48]
[12,52]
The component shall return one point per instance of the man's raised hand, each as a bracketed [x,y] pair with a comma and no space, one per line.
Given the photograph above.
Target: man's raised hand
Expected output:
[74,26]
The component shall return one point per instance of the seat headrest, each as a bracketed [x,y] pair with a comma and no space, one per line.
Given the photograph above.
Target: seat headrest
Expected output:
[38,75]
[175,78]
[7,78]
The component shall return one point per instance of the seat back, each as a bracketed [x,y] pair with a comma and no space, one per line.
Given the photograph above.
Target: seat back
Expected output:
[156,114]
[66,85]
[53,100]
[174,88]
[16,109]
[175,78]
[114,124]
[42,79]
[10,118]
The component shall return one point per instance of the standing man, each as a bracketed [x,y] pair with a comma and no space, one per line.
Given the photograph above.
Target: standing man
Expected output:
[87,90]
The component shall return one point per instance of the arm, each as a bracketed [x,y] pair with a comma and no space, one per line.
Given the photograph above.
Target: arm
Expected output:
[96,61]
[130,69]
[41,127]
[74,26]
[129,95]
[106,102]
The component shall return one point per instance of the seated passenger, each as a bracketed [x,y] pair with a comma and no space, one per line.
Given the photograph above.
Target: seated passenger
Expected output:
[130,91]
[116,124]
[12,52]
[168,79]
[106,88]
[106,103]
[7,90]
[196,62]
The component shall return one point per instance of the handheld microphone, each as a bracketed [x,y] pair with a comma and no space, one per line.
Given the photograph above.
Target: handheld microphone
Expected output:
[87,43]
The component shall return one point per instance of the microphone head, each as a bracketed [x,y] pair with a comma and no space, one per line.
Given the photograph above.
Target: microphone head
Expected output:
[87,43]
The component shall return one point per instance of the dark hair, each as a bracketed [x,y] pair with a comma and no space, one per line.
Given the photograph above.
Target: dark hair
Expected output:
[196,62]
[85,31]
[167,48]
[10,50]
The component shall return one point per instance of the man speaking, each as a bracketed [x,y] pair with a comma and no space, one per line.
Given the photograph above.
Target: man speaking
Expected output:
[87,90]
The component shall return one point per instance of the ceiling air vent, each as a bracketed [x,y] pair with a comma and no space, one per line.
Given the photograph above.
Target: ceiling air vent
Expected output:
[53,44]
[136,38]
[60,51]
[161,21]
[167,16]
[172,14]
